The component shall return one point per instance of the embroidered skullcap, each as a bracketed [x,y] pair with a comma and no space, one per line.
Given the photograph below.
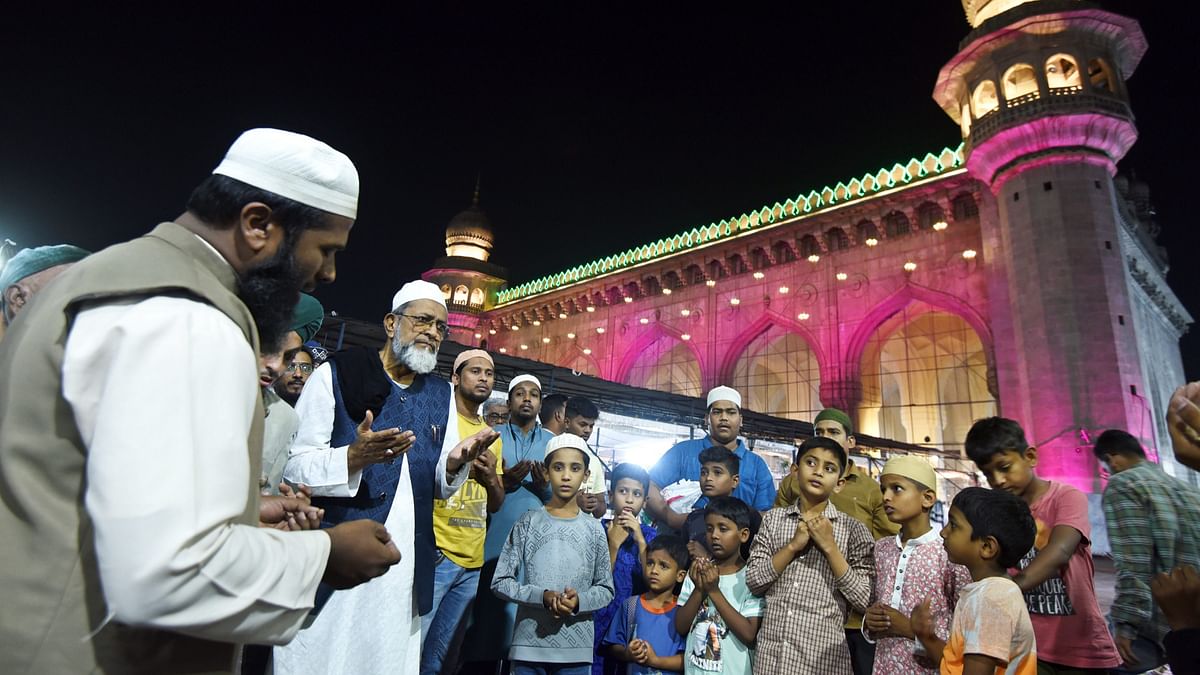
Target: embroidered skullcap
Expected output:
[318,353]
[724,393]
[307,317]
[912,467]
[837,416]
[418,290]
[565,440]
[30,261]
[469,354]
[524,378]
[295,166]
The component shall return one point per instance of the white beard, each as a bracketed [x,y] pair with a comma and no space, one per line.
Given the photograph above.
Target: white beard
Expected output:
[418,360]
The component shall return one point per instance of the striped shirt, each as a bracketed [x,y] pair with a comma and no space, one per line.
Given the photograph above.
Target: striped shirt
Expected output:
[802,630]
[1153,526]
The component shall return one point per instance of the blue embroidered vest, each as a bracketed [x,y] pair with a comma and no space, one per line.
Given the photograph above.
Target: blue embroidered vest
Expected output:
[422,408]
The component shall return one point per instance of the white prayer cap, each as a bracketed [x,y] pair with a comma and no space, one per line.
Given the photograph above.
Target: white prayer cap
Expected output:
[418,290]
[724,393]
[566,440]
[295,166]
[525,378]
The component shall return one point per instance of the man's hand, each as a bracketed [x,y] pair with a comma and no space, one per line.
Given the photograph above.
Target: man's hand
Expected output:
[568,601]
[1178,595]
[1125,651]
[376,447]
[289,513]
[800,538]
[469,449]
[587,502]
[1183,420]
[513,475]
[540,478]
[359,551]
[483,469]
[821,531]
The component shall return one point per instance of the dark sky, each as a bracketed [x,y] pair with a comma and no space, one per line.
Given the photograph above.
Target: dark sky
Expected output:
[594,127]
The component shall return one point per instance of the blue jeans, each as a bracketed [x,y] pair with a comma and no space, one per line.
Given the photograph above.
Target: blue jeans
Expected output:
[454,590]
[527,668]
[1148,653]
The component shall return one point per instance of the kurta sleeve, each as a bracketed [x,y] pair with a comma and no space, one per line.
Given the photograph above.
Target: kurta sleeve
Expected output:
[445,483]
[312,461]
[163,392]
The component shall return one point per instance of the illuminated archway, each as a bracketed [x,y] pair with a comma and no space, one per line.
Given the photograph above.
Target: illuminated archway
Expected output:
[924,375]
[778,374]
[666,365]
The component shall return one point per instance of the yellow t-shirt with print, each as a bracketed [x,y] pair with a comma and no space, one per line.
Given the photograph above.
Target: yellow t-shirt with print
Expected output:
[460,523]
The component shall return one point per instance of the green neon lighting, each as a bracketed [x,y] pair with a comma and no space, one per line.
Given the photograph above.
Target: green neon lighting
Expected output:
[931,164]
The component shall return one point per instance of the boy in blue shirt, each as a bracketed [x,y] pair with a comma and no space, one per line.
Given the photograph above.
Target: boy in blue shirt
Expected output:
[643,632]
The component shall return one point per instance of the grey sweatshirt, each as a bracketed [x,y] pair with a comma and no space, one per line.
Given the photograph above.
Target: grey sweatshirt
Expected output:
[546,553]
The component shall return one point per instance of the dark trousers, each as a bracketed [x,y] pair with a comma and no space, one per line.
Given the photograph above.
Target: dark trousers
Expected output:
[862,653]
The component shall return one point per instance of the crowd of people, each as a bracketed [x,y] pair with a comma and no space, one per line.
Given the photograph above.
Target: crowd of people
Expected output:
[189,483]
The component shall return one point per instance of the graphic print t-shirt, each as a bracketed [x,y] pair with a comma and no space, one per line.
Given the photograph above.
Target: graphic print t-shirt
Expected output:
[460,523]
[991,620]
[1063,608]
[711,646]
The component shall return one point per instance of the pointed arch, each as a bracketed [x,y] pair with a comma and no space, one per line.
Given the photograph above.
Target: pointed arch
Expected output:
[756,328]
[902,298]
[644,341]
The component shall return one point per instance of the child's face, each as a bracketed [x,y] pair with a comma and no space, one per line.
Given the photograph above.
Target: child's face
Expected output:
[628,497]
[662,572]
[820,474]
[725,538]
[716,481]
[956,539]
[567,469]
[902,499]
[1011,470]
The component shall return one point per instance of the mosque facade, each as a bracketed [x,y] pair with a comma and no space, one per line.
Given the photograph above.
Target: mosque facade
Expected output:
[1015,274]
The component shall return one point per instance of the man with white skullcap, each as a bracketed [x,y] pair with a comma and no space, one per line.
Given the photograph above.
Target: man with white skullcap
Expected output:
[130,510]
[375,441]
[460,522]
[756,486]
[525,485]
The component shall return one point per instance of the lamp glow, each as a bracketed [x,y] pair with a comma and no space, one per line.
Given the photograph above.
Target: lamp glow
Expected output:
[546,340]
[628,299]
[803,316]
[969,254]
[871,241]
[735,302]
[587,351]
[537,323]
[710,283]
[600,331]
[570,336]
[685,312]
[758,275]
[940,225]
[503,350]
[784,290]
[643,321]
[910,266]
[842,276]
[666,291]
[814,258]
[524,346]
[685,337]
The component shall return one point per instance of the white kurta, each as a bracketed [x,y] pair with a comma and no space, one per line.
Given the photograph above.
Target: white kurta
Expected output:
[163,390]
[374,627]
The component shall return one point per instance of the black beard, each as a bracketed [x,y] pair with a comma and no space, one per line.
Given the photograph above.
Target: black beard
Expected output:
[271,291]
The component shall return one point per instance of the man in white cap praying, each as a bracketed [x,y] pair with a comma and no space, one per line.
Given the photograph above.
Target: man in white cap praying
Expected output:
[375,441]
[489,636]
[756,486]
[129,507]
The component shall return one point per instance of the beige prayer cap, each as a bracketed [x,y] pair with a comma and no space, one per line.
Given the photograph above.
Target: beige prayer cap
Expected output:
[911,467]
[468,354]
[295,166]
[524,378]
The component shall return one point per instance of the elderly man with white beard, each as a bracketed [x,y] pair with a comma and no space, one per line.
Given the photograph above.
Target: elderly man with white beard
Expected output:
[375,442]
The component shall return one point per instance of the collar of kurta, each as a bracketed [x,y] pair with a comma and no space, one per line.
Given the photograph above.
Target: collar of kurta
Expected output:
[928,538]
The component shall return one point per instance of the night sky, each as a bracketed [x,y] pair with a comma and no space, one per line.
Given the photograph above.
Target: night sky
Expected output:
[593,127]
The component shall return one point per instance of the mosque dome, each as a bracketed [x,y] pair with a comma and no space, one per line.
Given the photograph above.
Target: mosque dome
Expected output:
[469,233]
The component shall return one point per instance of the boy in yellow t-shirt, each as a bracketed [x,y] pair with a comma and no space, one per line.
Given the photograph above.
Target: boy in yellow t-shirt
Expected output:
[460,523]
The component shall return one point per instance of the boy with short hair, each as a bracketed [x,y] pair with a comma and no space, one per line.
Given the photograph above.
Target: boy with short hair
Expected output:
[1056,574]
[719,477]
[555,566]
[643,632]
[581,417]
[628,539]
[720,615]
[814,565]
[987,531]
[910,568]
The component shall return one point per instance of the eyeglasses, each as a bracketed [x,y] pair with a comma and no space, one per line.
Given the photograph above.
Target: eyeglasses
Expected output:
[496,418]
[425,321]
[305,368]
